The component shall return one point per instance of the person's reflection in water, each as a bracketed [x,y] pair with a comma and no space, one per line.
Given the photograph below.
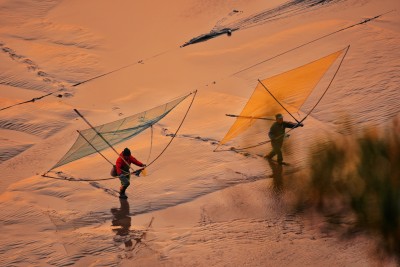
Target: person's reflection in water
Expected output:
[121,224]
[276,176]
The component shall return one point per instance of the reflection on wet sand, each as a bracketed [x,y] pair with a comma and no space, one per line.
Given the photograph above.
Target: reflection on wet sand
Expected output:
[276,176]
[121,224]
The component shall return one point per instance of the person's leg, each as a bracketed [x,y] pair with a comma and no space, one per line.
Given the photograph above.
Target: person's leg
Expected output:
[272,153]
[128,178]
[277,148]
[279,153]
[125,182]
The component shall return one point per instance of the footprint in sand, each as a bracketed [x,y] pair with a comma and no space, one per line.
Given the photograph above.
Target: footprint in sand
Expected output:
[32,66]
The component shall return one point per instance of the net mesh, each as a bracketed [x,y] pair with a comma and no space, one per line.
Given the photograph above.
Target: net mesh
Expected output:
[290,88]
[116,132]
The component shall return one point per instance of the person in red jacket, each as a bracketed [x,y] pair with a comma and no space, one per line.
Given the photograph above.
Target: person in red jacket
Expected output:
[122,167]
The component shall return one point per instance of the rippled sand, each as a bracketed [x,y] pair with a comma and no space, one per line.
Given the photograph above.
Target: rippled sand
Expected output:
[195,207]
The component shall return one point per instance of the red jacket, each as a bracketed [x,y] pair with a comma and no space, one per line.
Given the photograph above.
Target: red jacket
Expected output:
[120,164]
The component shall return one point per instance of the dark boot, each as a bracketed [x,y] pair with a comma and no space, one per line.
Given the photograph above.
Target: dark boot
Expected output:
[270,155]
[122,192]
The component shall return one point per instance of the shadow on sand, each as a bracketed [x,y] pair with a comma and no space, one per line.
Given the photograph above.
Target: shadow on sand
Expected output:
[277,177]
[121,224]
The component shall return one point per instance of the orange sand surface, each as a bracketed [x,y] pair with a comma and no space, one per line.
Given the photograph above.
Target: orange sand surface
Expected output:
[195,207]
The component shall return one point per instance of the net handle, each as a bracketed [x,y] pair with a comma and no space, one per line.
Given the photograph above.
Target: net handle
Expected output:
[102,137]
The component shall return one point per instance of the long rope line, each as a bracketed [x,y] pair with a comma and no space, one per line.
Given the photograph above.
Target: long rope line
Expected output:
[29,101]
[88,80]
[312,41]
[121,68]
[233,74]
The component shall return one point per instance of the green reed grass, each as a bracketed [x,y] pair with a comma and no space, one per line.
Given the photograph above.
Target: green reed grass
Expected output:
[355,184]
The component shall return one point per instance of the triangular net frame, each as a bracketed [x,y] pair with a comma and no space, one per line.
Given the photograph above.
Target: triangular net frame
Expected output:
[115,132]
[289,89]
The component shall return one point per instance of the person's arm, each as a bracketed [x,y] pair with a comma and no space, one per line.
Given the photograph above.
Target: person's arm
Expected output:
[136,162]
[288,124]
[118,166]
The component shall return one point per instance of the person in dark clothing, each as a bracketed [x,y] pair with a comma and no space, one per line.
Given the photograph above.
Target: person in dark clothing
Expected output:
[277,134]
[122,167]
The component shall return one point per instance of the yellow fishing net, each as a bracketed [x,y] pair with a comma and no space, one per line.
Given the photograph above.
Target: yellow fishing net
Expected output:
[290,89]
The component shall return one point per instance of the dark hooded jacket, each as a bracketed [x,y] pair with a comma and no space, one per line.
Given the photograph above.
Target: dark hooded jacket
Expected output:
[277,131]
